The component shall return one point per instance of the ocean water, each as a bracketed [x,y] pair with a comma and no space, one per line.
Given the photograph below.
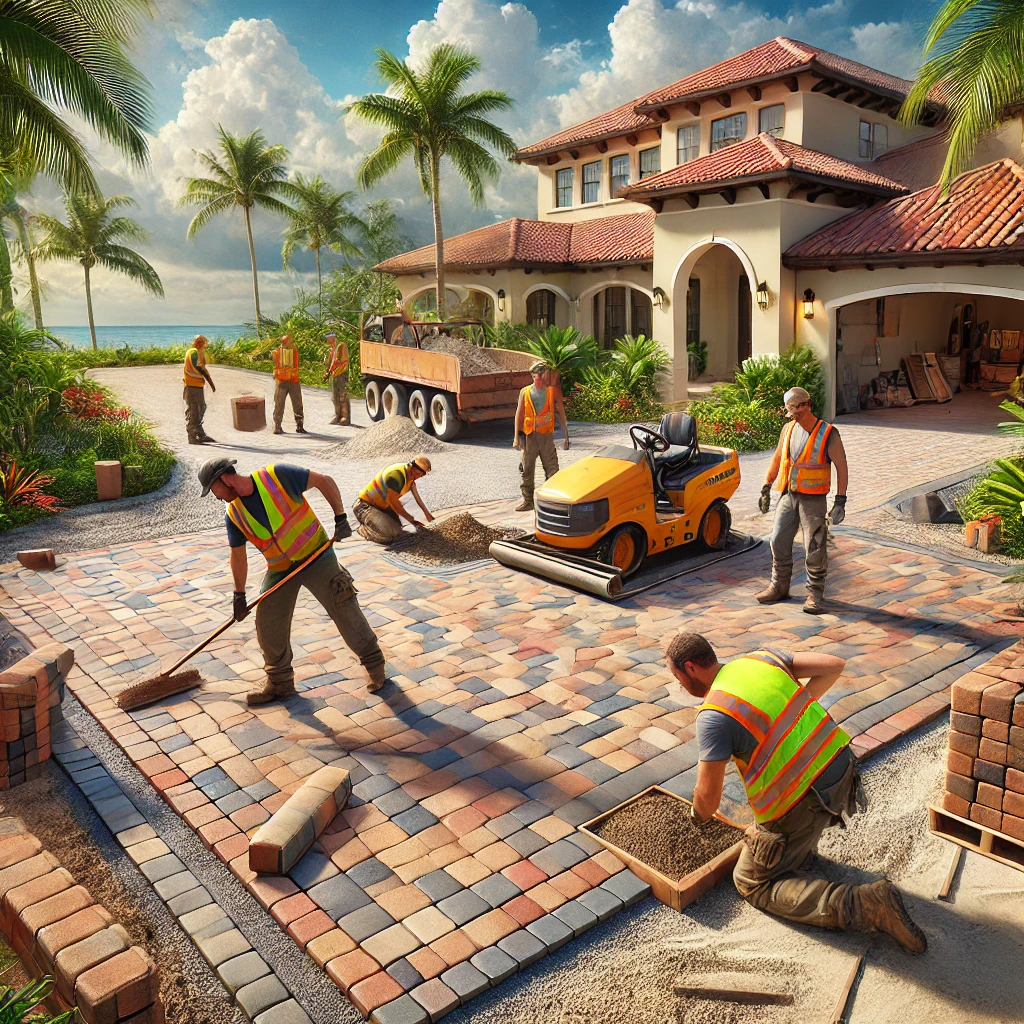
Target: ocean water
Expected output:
[161,335]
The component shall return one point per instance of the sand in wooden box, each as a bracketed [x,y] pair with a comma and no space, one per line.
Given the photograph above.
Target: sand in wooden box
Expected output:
[653,835]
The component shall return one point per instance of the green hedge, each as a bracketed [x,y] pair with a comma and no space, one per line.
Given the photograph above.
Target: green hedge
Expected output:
[747,428]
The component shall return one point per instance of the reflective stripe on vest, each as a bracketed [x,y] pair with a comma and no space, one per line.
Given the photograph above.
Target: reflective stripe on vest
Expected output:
[376,491]
[542,422]
[796,738]
[193,378]
[286,364]
[811,473]
[295,532]
[339,362]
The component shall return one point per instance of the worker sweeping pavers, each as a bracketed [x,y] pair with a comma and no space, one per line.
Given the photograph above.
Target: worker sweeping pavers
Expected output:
[268,509]
[534,432]
[800,779]
[378,508]
[196,377]
[286,377]
[337,372]
[802,466]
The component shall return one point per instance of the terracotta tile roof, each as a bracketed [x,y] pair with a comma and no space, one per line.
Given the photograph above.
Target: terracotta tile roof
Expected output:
[983,216]
[620,121]
[761,158]
[917,164]
[626,238]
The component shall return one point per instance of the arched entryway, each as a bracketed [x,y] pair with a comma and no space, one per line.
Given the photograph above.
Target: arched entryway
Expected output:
[426,301]
[618,310]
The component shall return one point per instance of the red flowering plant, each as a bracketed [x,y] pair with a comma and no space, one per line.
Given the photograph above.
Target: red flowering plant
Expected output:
[20,486]
[92,403]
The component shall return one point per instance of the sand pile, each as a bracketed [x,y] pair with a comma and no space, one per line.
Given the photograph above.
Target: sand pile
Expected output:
[394,438]
[473,359]
[459,538]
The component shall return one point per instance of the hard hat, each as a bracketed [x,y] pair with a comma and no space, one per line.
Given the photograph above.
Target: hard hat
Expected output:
[213,469]
[539,368]
[422,462]
[285,337]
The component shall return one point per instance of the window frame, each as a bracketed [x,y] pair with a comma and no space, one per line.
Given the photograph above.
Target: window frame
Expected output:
[640,162]
[546,315]
[584,183]
[776,133]
[728,141]
[612,177]
[695,145]
[560,188]
[873,143]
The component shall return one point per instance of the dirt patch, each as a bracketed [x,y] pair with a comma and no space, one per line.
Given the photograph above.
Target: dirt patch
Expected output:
[658,830]
[473,359]
[394,438]
[451,541]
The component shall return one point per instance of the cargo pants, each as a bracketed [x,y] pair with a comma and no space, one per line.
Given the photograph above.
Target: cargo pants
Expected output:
[534,446]
[804,512]
[339,392]
[195,410]
[287,389]
[380,525]
[332,586]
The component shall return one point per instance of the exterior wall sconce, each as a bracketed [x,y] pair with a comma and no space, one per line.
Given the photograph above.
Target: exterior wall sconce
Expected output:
[763,297]
[660,298]
[808,304]
[501,300]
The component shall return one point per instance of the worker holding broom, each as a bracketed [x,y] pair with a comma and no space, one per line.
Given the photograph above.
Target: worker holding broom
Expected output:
[534,433]
[378,508]
[800,779]
[268,509]
[286,378]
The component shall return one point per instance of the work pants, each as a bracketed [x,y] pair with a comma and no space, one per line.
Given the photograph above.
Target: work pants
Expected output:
[339,392]
[534,446]
[805,512]
[768,874]
[332,586]
[287,389]
[195,410]
[380,525]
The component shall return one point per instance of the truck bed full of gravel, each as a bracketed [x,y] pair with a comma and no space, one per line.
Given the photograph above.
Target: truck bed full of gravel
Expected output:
[388,439]
[473,359]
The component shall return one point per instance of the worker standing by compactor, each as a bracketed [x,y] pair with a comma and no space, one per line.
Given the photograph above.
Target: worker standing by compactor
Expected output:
[286,374]
[800,779]
[378,508]
[535,431]
[196,377]
[337,371]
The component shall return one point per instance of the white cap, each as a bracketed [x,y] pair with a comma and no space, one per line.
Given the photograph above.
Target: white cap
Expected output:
[796,395]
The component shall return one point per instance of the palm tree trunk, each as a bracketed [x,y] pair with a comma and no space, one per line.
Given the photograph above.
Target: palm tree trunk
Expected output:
[33,278]
[6,274]
[252,259]
[435,199]
[319,287]
[88,306]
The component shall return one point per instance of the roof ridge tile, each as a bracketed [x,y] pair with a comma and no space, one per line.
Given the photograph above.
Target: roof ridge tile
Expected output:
[772,146]
[795,47]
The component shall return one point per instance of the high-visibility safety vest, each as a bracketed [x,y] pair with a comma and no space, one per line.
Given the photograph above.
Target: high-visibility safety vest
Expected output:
[376,491]
[811,473]
[295,532]
[286,364]
[796,738]
[339,361]
[542,422]
[193,378]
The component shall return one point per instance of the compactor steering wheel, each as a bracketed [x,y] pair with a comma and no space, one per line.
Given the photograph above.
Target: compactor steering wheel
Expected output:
[647,439]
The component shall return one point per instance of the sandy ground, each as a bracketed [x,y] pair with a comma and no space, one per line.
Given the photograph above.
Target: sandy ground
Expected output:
[623,972]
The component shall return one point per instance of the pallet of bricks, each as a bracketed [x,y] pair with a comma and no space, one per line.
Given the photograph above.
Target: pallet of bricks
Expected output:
[983,803]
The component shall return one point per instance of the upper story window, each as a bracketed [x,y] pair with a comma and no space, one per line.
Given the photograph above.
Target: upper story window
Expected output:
[688,143]
[728,130]
[874,139]
[592,182]
[772,119]
[618,168]
[563,187]
[650,162]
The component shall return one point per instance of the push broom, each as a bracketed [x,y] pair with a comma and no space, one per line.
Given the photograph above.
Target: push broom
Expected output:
[166,684]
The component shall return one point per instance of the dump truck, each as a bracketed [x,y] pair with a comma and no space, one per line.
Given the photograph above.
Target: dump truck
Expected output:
[434,389]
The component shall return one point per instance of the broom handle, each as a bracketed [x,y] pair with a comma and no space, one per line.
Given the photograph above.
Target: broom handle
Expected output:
[227,625]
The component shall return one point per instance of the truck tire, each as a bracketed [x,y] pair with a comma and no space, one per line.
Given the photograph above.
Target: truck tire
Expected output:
[374,407]
[394,400]
[443,417]
[419,409]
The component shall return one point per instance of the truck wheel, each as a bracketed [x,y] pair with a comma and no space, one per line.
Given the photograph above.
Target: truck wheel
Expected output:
[715,525]
[443,417]
[394,400]
[624,548]
[374,408]
[419,409]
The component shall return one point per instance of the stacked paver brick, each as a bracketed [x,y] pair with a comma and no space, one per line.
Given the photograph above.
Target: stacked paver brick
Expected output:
[31,692]
[985,765]
[55,927]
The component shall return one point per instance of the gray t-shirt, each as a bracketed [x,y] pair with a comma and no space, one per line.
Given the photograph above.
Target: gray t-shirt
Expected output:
[799,437]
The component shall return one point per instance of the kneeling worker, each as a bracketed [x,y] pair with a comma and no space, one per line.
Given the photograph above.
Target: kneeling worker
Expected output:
[800,779]
[378,508]
[268,509]
[535,430]
[196,378]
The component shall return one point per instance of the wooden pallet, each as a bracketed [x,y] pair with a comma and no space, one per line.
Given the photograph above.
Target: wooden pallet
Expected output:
[675,893]
[977,838]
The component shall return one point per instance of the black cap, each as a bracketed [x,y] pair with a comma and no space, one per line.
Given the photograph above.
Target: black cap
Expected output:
[211,470]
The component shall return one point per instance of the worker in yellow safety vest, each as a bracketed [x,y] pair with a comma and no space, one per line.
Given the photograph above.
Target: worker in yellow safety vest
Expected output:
[337,371]
[286,375]
[799,775]
[534,434]
[196,377]
[378,509]
[801,469]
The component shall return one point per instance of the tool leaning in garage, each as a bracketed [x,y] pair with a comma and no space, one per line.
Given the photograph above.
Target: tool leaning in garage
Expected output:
[662,502]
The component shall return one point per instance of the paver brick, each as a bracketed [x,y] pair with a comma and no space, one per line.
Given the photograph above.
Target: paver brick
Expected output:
[117,988]
[524,947]
[287,1012]
[61,934]
[578,917]
[997,700]
[377,990]
[466,981]
[495,964]
[259,996]
[241,970]
[436,998]
[73,961]
[989,771]
[391,944]
[986,816]
[551,931]
[24,896]
[454,947]
[349,968]
[487,930]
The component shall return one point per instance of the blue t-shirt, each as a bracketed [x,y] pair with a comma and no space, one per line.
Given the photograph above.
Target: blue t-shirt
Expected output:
[295,481]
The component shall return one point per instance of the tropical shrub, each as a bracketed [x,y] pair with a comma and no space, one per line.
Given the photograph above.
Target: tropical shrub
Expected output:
[747,428]
[1000,493]
[21,1006]
[623,386]
[567,352]
[698,350]
[763,380]
[507,334]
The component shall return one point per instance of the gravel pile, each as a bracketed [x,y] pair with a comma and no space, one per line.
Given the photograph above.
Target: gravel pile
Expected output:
[388,439]
[459,538]
[473,359]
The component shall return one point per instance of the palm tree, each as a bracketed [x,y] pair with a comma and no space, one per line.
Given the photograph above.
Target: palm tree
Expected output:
[245,173]
[94,238]
[974,58]
[70,56]
[320,219]
[426,116]
[13,184]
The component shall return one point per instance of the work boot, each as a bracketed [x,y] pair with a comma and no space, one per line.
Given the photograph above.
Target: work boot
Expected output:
[269,691]
[301,430]
[195,440]
[378,677]
[815,603]
[524,506]
[335,422]
[882,910]
[206,439]
[777,591]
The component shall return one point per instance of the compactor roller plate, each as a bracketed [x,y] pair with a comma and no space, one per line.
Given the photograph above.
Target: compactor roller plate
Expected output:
[605,581]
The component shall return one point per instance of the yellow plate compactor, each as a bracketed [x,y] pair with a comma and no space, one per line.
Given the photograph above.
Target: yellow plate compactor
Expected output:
[600,518]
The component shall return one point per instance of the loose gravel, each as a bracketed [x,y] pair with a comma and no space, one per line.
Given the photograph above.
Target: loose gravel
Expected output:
[473,360]
[392,438]
[451,541]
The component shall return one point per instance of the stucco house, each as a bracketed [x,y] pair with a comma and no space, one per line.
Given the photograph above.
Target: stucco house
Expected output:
[768,199]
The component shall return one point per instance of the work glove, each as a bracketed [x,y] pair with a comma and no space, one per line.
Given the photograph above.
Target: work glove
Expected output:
[764,503]
[239,606]
[838,513]
[341,528]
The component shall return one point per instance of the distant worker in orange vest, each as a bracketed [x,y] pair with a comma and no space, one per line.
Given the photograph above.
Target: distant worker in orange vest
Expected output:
[286,373]
[337,370]
[196,378]
[801,469]
[535,430]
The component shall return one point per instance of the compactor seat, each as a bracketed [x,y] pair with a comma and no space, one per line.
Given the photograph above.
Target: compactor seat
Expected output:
[680,430]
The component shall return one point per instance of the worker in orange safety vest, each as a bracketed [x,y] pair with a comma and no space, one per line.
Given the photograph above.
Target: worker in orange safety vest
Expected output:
[337,371]
[196,377]
[286,376]
[534,435]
